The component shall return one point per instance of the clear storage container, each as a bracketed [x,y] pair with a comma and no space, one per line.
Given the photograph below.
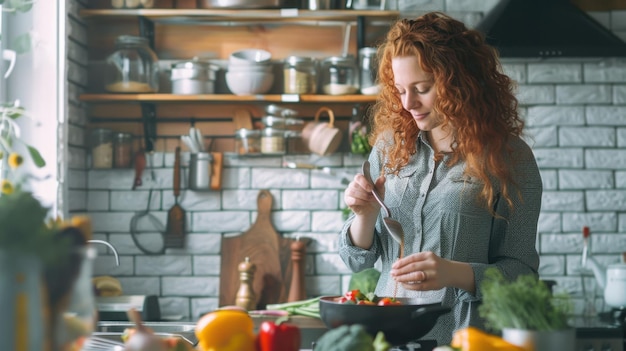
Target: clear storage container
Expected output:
[273,141]
[123,150]
[133,67]
[340,75]
[101,148]
[248,141]
[368,67]
[300,75]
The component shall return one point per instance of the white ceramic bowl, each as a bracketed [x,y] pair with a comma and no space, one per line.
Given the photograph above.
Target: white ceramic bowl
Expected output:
[250,56]
[249,68]
[248,83]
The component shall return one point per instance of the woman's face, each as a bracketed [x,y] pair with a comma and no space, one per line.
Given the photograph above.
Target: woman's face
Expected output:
[416,89]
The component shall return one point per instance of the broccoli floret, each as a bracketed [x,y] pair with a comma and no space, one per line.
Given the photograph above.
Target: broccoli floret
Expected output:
[364,280]
[345,338]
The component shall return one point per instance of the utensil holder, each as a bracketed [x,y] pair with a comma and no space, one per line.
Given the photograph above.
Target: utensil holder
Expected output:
[200,171]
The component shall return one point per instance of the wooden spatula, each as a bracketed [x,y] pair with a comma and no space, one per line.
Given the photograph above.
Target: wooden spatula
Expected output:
[175,230]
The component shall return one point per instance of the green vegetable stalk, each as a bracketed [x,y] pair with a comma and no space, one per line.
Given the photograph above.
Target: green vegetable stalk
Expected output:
[309,308]
[525,303]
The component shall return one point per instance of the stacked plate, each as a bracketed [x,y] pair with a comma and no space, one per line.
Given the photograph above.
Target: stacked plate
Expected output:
[249,72]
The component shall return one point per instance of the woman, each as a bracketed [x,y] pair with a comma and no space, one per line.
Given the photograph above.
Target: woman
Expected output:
[453,170]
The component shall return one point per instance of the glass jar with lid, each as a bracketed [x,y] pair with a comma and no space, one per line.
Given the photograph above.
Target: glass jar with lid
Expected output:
[339,75]
[368,71]
[133,67]
[300,75]
[272,141]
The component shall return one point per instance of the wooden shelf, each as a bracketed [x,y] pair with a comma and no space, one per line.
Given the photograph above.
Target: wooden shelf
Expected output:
[225,98]
[193,15]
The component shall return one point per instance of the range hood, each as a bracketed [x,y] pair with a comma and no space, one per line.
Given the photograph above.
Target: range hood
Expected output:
[547,28]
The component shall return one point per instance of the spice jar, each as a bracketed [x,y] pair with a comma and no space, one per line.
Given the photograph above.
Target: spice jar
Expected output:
[102,148]
[300,75]
[122,150]
[339,75]
[247,141]
[133,67]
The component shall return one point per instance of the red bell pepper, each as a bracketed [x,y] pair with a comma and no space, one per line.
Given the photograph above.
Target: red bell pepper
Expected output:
[387,301]
[278,336]
[354,295]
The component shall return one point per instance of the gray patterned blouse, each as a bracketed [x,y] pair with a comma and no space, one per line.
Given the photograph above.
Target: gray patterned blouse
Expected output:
[439,210]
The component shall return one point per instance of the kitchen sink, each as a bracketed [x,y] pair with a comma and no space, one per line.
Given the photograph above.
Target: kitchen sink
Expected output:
[113,331]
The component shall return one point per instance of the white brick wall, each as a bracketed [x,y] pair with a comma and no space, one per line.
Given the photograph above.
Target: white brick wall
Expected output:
[576,123]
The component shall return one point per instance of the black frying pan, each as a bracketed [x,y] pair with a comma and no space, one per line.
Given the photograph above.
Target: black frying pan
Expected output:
[400,323]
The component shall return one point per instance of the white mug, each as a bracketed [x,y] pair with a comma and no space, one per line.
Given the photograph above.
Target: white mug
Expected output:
[11,56]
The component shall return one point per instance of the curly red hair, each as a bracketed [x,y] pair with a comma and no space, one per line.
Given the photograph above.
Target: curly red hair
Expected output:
[475,99]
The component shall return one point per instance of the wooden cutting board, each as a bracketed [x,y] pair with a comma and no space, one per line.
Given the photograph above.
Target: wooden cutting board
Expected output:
[266,249]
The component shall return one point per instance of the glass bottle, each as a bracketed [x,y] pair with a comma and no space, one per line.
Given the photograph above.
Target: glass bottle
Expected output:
[133,67]
[300,75]
[102,148]
[339,75]
[123,150]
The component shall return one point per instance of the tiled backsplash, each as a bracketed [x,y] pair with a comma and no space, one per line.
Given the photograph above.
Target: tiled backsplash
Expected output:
[576,123]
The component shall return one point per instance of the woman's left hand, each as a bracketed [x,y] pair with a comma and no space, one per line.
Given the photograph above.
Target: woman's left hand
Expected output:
[422,271]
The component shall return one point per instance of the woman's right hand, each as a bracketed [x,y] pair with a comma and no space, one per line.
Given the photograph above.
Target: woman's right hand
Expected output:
[358,195]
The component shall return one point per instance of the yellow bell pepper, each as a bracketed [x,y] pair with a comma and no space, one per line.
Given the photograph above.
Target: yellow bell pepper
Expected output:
[225,330]
[474,339]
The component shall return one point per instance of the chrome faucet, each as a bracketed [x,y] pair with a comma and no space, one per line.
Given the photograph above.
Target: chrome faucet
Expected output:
[117,257]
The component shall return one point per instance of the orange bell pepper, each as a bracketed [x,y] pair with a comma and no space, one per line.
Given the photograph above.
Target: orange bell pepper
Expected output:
[226,330]
[474,339]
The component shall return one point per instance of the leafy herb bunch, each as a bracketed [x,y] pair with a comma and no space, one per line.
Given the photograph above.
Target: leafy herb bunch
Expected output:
[525,303]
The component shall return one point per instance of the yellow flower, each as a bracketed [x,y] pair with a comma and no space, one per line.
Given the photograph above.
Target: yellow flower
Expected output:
[15,160]
[83,223]
[56,222]
[7,187]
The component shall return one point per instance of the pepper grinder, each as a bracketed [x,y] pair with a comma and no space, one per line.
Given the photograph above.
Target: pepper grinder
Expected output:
[297,290]
[245,295]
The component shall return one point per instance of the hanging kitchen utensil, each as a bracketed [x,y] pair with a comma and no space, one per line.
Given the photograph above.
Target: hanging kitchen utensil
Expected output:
[140,165]
[134,224]
[175,230]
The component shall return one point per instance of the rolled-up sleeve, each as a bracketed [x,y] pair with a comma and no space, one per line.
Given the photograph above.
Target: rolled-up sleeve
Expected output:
[356,258]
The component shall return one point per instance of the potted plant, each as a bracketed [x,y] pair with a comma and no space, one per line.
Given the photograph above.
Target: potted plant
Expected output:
[30,246]
[526,312]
